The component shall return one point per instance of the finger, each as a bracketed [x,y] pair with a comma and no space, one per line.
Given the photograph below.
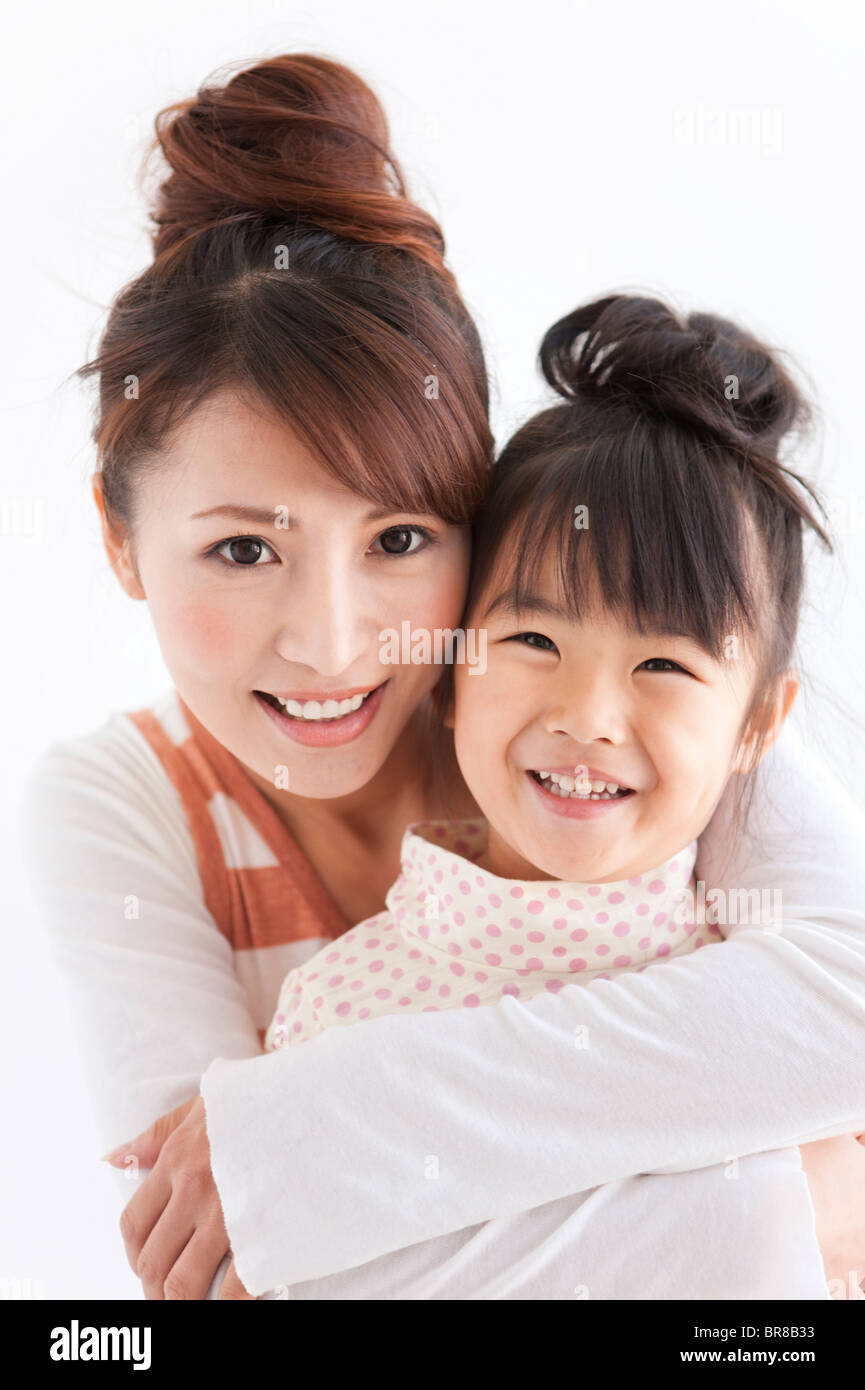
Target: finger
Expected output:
[193,1271]
[141,1214]
[146,1146]
[232,1288]
[163,1248]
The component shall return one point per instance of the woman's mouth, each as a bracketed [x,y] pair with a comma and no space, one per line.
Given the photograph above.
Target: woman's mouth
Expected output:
[322,723]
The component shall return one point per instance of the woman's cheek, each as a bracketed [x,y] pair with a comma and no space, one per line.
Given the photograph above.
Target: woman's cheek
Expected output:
[205,637]
[437,599]
[426,615]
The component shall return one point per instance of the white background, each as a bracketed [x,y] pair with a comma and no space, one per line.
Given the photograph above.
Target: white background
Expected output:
[708,153]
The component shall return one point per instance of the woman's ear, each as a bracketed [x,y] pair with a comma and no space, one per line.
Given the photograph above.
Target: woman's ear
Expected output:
[117,546]
[767,724]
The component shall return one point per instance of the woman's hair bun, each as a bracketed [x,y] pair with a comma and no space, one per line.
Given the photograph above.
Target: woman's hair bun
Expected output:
[293,137]
[700,370]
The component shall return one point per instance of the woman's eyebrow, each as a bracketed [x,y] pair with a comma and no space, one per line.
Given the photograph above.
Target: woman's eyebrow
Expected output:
[262,516]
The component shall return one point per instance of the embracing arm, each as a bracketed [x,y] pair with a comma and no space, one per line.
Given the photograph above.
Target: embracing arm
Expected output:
[150,980]
[752,1044]
[154,996]
[743,1230]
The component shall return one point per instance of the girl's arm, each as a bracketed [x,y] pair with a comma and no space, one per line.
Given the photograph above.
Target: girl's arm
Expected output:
[752,1044]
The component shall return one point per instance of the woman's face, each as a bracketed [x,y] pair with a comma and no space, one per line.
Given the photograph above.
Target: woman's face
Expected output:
[651,713]
[295,607]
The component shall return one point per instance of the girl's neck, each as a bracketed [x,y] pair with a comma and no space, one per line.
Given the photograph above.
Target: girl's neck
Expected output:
[505,862]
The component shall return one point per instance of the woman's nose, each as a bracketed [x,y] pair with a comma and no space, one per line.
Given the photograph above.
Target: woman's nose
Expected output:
[331,627]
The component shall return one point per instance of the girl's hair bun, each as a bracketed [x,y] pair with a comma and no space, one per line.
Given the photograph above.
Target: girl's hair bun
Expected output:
[701,370]
[294,137]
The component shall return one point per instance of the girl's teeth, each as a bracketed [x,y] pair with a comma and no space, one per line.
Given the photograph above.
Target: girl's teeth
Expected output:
[327,709]
[560,784]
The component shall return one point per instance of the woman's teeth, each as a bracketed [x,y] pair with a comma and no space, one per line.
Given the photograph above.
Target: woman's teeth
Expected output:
[316,710]
[560,784]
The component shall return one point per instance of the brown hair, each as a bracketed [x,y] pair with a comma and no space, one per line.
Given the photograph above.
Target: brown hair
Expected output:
[291,266]
[669,434]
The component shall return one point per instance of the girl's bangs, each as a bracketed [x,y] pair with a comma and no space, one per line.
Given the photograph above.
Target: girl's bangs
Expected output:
[664,547]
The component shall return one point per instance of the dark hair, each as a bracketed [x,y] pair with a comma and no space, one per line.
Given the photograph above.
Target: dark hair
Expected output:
[289,160]
[669,434]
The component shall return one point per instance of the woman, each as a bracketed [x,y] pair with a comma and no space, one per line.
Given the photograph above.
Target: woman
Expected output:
[294,387]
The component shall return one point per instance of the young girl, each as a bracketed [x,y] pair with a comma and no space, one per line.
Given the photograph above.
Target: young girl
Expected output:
[637,575]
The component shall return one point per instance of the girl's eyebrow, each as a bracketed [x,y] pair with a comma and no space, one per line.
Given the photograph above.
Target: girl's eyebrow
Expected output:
[535,603]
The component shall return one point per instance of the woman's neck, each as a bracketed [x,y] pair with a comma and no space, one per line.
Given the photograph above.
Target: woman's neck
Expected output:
[420,780]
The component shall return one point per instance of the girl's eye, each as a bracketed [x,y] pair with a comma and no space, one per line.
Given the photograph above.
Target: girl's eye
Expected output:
[535,639]
[396,540]
[245,556]
[663,664]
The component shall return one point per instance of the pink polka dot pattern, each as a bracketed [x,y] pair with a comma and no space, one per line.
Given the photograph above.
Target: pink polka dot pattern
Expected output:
[505,943]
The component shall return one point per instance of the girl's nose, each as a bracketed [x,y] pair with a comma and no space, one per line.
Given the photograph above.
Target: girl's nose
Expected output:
[587,715]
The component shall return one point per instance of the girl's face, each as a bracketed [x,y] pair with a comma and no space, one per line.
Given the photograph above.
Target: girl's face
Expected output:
[294,606]
[654,714]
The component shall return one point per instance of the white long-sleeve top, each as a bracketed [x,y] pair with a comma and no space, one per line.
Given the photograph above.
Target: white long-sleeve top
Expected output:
[316,1151]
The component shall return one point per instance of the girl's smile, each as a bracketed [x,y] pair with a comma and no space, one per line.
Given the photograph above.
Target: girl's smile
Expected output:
[562,801]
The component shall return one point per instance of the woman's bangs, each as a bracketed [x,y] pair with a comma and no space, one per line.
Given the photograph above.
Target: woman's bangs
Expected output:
[372,409]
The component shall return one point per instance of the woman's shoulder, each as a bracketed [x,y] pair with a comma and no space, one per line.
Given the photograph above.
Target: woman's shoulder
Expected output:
[110,778]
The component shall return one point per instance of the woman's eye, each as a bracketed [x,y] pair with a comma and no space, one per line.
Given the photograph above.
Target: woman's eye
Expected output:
[662,663]
[245,551]
[535,639]
[397,540]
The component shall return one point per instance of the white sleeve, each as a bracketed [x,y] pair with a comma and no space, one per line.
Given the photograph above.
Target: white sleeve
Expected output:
[752,1044]
[743,1230]
[154,997]
[150,978]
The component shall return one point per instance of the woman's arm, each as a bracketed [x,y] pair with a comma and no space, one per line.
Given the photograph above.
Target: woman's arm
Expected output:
[752,1044]
[155,997]
[743,1231]
[150,979]
[149,976]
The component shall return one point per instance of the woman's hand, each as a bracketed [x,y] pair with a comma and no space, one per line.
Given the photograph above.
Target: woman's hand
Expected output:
[173,1226]
[835,1169]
